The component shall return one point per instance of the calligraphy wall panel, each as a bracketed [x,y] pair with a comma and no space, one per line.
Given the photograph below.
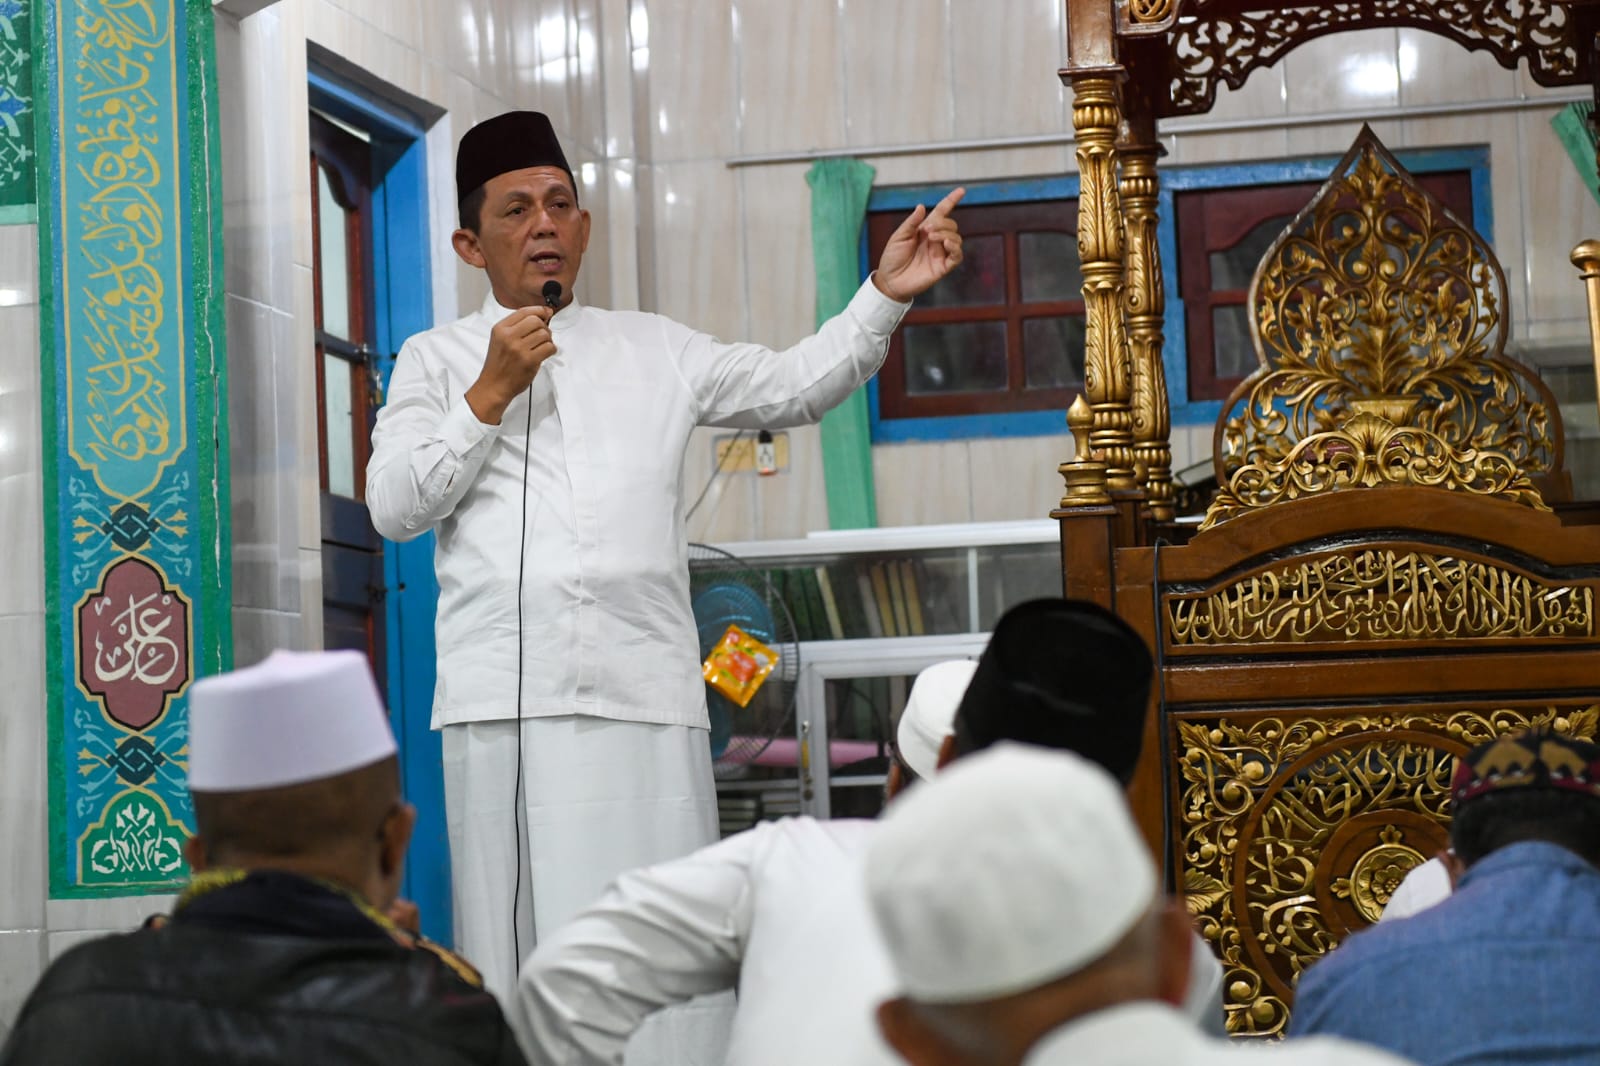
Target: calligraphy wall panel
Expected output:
[132,346]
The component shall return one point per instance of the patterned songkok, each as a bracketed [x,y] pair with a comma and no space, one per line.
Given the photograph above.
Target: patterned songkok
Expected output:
[1536,758]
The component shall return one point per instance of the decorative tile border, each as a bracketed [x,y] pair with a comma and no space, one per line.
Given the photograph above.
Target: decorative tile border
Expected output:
[17,162]
[135,450]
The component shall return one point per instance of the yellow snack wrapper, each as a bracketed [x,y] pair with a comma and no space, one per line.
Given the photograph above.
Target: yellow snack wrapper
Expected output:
[738,665]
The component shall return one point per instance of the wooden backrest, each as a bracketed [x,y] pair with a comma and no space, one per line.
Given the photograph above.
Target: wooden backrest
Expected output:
[1379,321]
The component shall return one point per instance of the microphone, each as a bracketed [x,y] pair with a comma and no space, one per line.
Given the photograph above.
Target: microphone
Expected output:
[552,294]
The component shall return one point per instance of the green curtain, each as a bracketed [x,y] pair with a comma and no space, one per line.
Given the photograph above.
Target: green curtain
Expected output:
[839,190]
[1577,136]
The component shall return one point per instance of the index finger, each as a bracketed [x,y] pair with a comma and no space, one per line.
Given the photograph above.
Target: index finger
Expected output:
[948,203]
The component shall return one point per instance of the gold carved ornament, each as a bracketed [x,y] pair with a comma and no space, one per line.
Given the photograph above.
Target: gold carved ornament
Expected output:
[1379,594]
[1207,47]
[1378,321]
[1295,832]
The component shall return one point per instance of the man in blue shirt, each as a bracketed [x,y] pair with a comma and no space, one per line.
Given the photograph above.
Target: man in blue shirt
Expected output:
[1505,970]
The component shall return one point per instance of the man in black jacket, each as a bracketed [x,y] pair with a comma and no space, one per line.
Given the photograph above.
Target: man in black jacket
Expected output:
[279,950]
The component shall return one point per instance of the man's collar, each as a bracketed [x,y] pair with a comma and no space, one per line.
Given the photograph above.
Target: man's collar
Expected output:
[493,311]
[1526,853]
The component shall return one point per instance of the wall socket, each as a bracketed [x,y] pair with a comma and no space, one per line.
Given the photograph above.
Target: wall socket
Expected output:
[740,456]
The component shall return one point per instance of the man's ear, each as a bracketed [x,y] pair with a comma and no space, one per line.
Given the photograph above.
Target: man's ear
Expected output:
[910,1037]
[396,837]
[195,853]
[947,752]
[465,243]
[896,780]
[584,214]
[1177,944]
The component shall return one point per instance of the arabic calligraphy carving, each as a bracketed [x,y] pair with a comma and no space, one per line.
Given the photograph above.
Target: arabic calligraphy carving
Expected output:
[1379,594]
[1294,830]
[133,642]
[127,394]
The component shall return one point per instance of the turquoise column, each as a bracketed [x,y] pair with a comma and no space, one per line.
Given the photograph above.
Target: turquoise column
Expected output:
[1577,135]
[839,191]
[135,449]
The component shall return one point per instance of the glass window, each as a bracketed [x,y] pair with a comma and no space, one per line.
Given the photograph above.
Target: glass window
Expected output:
[1005,331]
[959,357]
[334,275]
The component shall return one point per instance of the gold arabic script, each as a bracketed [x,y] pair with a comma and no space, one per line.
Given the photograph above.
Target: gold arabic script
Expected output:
[117,132]
[1380,594]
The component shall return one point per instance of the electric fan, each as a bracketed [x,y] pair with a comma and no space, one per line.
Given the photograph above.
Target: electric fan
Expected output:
[725,590]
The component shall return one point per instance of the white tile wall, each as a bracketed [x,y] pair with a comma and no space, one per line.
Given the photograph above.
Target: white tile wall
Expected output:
[22,959]
[919,484]
[21,456]
[23,773]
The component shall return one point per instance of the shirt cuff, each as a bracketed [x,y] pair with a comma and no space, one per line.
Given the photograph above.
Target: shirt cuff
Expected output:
[876,311]
[461,430]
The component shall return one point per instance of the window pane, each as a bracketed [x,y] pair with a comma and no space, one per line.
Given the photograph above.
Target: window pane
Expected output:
[981,278]
[335,262]
[963,357]
[1233,267]
[1230,340]
[1050,269]
[336,404]
[1052,349]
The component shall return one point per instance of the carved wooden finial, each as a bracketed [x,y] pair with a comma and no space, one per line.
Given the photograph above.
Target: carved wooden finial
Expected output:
[1084,474]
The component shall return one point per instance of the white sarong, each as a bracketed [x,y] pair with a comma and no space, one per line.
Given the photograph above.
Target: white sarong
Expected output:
[599,797]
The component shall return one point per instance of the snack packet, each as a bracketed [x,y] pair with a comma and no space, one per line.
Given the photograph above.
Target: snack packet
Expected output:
[738,665]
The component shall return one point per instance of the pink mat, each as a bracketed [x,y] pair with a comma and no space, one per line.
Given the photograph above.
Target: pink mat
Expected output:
[785,751]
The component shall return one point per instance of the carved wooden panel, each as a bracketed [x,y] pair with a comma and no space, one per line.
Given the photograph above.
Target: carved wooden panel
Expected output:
[1294,827]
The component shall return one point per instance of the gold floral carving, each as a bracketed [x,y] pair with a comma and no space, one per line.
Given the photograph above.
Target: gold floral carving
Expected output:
[1378,320]
[1294,831]
[1376,594]
[1106,371]
[1377,874]
[1209,47]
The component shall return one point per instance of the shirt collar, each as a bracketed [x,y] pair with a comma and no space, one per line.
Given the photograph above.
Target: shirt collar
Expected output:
[1123,1033]
[493,311]
[1526,853]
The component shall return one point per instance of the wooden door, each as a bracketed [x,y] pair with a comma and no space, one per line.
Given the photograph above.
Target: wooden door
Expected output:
[347,388]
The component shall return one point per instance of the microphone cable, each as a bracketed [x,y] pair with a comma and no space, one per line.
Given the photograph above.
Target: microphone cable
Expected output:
[552,299]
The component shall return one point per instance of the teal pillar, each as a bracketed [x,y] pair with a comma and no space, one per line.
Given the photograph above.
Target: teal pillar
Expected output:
[135,450]
[839,191]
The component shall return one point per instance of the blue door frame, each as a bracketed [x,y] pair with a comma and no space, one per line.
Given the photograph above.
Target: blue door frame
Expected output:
[403,305]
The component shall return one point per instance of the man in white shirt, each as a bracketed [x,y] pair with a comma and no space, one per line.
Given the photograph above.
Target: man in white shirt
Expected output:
[1020,910]
[544,442]
[779,911]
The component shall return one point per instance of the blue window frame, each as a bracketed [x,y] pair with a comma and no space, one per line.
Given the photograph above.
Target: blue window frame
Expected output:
[1174,180]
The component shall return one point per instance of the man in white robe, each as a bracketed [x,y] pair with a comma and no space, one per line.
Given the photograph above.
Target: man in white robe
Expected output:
[543,441]
[1021,913]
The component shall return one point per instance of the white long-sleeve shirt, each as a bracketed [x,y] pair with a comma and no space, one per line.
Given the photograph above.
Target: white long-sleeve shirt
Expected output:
[607,629]
[780,912]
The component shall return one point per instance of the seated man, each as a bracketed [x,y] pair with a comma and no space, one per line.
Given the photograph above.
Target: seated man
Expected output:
[1504,970]
[278,951]
[1020,909]
[778,911]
